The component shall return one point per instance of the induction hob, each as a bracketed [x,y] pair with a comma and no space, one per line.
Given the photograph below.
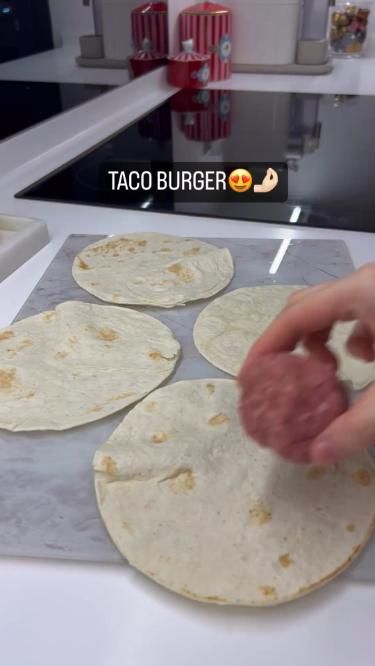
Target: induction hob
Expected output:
[26,103]
[326,140]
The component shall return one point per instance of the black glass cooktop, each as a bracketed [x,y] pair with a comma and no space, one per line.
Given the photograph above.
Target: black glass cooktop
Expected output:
[26,103]
[327,141]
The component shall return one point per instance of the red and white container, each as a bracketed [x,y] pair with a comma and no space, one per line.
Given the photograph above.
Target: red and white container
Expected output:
[211,124]
[210,26]
[189,69]
[145,60]
[150,21]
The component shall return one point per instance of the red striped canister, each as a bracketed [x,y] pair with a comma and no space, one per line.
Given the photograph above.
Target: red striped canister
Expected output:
[150,21]
[210,26]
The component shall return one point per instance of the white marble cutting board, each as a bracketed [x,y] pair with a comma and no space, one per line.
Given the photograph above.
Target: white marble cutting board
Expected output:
[47,499]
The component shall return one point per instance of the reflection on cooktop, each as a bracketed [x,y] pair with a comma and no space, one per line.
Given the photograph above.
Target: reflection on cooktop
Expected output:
[326,140]
[26,103]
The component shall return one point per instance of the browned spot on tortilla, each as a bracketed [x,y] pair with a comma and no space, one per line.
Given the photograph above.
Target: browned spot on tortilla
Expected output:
[48,316]
[115,297]
[210,388]
[160,437]
[127,527]
[25,344]
[131,249]
[268,591]
[27,396]
[156,356]
[97,408]
[141,243]
[82,264]
[7,378]
[61,354]
[182,272]
[150,406]
[164,249]
[167,241]
[6,335]
[285,560]
[192,252]
[362,477]
[113,246]
[93,284]
[213,599]
[218,419]
[107,334]
[73,340]
[121,396]
[350,527]
[181,482]
[260,513]
[109,465]
[315,473]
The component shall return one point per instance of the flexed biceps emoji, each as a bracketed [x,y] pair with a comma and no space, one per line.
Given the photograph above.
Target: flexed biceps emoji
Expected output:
[270,181]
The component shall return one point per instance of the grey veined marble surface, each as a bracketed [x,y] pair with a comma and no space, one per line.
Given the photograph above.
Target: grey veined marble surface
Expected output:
[47,500]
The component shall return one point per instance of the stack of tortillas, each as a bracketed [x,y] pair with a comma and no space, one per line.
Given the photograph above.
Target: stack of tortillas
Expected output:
[79,363]
[152,269]
[195,505]
[227,327]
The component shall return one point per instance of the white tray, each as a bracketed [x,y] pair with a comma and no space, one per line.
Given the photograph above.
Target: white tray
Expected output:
[20,239]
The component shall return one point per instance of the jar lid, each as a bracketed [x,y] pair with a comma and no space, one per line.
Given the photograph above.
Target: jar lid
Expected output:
[188,54]
[207,8]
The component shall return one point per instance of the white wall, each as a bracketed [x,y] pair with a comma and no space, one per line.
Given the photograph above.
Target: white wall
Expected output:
[70,19]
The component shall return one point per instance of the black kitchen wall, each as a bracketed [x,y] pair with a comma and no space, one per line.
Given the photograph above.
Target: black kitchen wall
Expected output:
[25,28]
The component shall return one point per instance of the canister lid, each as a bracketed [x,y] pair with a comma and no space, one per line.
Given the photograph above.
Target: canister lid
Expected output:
[151,8]
[188,54]
[207,8]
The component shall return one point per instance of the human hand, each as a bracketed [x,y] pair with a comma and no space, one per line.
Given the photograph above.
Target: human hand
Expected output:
[308,319]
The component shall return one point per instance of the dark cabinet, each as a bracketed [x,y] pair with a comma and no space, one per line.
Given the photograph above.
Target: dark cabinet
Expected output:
[25,28]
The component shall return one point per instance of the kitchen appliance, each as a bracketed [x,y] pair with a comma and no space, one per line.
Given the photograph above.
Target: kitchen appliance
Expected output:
[280,36]
[26,103]
[265,31]
[326,140]
[209,25]
[25,28]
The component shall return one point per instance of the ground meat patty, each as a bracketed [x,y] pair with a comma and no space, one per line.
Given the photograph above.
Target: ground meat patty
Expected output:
[287,400]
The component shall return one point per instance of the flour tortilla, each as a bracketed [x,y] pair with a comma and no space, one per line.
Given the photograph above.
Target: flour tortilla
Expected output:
[195,505]
[152,269]
[79,363]
[227,328]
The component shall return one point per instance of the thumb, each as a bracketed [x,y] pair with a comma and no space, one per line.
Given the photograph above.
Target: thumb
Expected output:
[353,431]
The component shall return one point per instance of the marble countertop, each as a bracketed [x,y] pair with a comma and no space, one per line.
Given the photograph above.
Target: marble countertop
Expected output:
[103,616]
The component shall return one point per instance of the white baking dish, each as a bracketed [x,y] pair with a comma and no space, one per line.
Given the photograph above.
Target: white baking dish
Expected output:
[20,239]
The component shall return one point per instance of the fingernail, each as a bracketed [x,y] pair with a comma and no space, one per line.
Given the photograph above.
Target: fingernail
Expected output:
[323,451]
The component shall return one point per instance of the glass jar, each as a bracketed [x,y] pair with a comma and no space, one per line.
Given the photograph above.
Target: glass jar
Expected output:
[348,28]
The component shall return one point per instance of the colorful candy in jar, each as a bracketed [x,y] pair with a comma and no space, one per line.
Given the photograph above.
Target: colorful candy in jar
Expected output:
[349,29]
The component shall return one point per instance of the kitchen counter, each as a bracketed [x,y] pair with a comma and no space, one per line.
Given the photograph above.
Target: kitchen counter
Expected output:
[102,616]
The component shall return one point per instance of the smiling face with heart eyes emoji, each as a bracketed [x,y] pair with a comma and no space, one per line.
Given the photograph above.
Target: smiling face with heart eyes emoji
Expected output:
[240,180]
